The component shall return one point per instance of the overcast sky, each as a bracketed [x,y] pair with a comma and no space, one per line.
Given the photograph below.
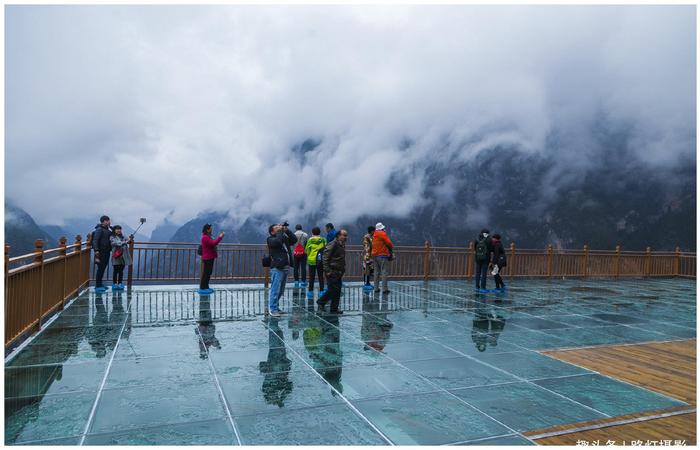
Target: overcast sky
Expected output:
[145,110]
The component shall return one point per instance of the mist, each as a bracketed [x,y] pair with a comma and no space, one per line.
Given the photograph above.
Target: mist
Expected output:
[155,111]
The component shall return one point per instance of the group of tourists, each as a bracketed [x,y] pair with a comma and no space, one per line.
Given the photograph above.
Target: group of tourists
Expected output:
[108,243]
[322,258]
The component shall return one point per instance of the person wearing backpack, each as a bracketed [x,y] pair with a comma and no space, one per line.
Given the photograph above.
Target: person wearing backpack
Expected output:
[120,256]
[382,251]
[482,258]
[499,261]
[314,246]
[300,257]
[208,257]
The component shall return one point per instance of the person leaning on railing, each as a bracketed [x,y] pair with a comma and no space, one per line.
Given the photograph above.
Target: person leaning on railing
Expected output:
[208,257]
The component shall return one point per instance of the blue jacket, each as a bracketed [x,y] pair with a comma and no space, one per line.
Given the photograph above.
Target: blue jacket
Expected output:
[331,235]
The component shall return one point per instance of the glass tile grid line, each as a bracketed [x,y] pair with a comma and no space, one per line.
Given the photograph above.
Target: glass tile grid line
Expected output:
[631,326]
[340,394]
[91,417]
[222,397]
[445,391]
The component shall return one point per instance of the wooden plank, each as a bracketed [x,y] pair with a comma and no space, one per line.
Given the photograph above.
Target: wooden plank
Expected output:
[665,367]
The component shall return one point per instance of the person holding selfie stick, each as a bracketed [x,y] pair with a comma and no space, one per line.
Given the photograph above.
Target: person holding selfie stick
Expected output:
[208,257]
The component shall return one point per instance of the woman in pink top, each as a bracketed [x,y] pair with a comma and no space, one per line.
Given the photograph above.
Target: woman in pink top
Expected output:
[208,257]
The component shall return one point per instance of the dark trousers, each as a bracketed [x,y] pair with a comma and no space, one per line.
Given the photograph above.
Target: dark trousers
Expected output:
[497,278]
[313,270]
[300,266]
[118,275]
[332,294]
[207,269]
[101,268]
[482,269]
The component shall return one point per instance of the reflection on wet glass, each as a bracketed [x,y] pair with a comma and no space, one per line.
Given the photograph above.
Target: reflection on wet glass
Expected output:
[385,352]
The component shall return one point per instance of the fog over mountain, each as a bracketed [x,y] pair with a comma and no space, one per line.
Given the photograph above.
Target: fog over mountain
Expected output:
[553,124]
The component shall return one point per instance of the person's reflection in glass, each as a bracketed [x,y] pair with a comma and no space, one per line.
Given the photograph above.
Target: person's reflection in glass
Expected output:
[298,312]
[276,385]
[206,328]
[95,334]
[488,324]
[376,326]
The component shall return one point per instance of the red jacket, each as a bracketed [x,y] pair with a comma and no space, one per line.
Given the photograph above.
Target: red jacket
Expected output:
[381,244]
[209,247]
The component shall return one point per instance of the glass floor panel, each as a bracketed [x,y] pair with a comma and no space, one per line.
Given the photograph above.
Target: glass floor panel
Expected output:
[430,363]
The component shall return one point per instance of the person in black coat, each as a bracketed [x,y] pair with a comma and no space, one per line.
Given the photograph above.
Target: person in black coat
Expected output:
[278,244]
[103,248]
[482,258]
[499,260]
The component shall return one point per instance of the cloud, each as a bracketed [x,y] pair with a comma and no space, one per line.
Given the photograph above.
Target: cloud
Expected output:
[153,110]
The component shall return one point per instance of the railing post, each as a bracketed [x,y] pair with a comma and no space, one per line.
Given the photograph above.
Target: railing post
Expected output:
[79,249]
[130,270]
[585,260]
[617,261]
[64,254]
[550,256]
[512,261]
[426,261]
[470,260]
[7,272]
[39,258]
[677,263]
[647,262]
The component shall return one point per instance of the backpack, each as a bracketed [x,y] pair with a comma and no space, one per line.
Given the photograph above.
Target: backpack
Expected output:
[299,251]
[482,250]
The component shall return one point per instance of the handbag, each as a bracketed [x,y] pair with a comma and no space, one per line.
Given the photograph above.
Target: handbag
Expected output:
[118,253]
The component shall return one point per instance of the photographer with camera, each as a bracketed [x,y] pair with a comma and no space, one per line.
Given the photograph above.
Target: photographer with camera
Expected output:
[279,244]
[208,257]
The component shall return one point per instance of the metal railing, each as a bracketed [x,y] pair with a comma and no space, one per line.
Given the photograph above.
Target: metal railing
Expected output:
[40,283]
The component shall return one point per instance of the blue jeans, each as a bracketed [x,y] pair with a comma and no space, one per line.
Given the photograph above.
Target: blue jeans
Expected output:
[480,273]
[279,281]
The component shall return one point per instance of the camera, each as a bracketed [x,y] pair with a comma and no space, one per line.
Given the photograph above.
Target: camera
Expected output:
[285,223]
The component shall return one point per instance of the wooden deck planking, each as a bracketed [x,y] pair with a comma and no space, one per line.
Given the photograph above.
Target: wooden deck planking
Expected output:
[665,367]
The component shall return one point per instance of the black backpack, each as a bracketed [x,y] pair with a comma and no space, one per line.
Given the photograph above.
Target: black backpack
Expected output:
[482,250]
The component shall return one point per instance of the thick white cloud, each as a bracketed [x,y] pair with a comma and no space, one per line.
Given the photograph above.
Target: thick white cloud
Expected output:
[144,110]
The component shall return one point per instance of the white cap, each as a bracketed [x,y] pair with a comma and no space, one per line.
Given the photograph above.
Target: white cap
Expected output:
[379,226]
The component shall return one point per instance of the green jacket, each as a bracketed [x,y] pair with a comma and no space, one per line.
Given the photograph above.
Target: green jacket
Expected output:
[313,245]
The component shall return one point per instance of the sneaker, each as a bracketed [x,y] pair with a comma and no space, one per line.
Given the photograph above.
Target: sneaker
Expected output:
[121,286]
[115,287]
[205,291]
[338,312]
[483,291]
[276,313]
[100,289]
[310,295]
[386,291]
[303,284]
[321,305]
[377,290]
[367,287]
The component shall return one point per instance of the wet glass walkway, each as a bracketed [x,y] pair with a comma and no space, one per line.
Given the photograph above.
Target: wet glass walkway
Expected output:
[426,364]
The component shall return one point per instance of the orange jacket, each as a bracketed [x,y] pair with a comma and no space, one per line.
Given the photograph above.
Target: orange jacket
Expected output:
[381,244]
